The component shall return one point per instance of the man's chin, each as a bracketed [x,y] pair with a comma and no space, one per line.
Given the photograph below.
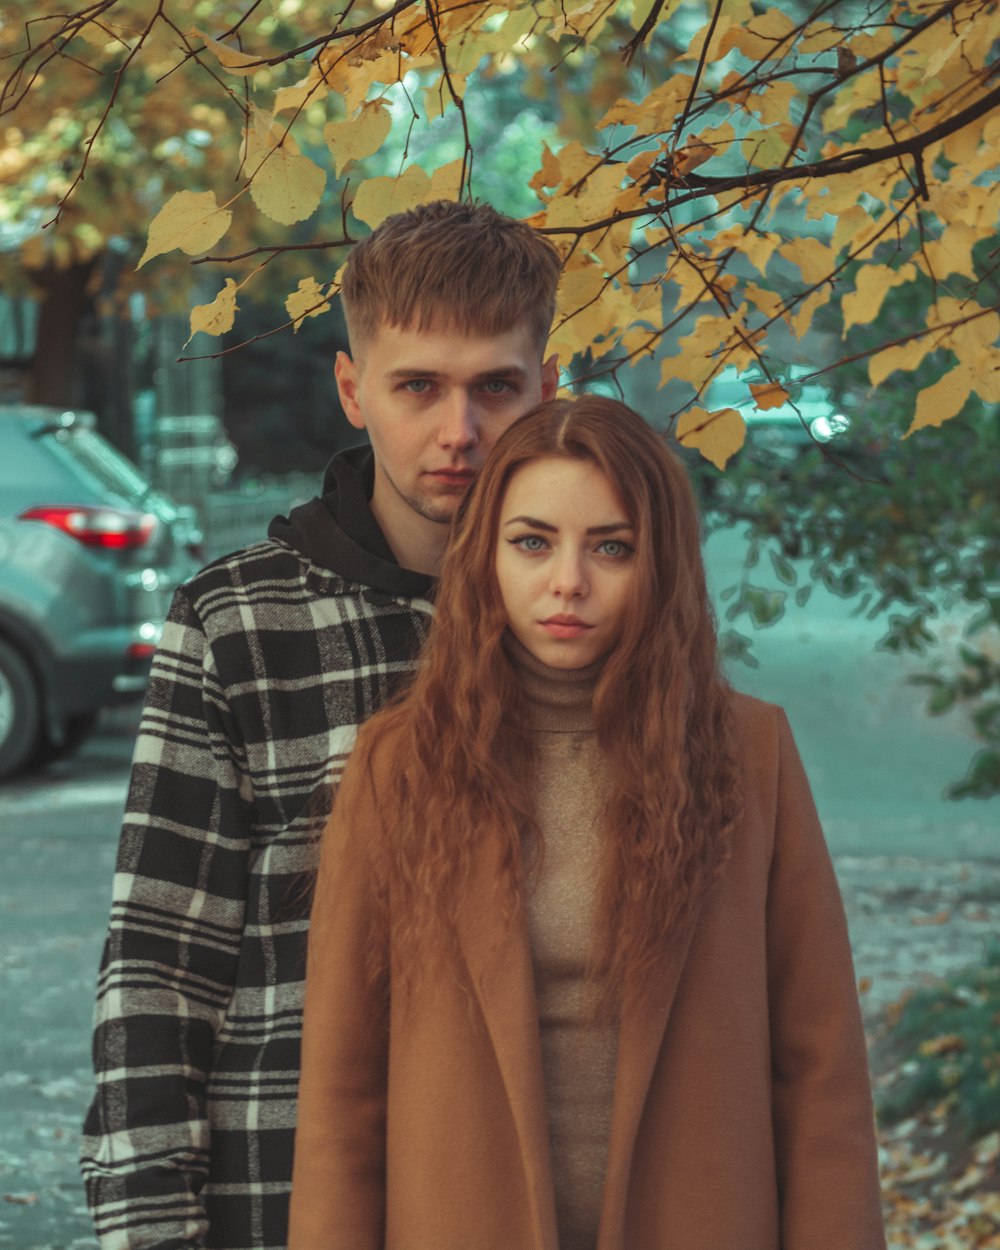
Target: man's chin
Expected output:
[440,510]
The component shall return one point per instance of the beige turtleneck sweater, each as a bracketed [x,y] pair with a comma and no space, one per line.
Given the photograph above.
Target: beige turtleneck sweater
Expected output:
[578,1053]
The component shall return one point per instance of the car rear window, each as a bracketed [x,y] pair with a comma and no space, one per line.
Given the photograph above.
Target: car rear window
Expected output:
[106,467]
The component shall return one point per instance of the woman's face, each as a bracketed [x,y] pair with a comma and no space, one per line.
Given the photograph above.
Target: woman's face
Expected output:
[565,561]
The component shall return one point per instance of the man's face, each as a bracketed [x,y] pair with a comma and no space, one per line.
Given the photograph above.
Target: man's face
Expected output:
[434,402]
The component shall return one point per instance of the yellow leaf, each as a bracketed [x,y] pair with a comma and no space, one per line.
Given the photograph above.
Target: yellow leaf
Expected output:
[814,259]
[99,34]
[946,1044]
[231,59]
[548,174]
[359,136]
[285,186]
[768,395]
[656,112]
[987,383]
[596,200]
[905,356]
[446,182]
[767,300]
[190,220]
[695,153]
[851,227]
[773,105]
[939,58]
[756,246]
[802,318]
[821,37]
[307,300]
[978,330]
[767,149]
[942,401]
[861,306]
[438,97]
[951,253]
[312,87]
[762,38]
[217,317]
[581,19]
[578,287]
[288,187]
[377,198]
[717,435]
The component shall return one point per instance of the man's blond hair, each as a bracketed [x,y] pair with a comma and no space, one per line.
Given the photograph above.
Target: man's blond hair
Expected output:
[451,265]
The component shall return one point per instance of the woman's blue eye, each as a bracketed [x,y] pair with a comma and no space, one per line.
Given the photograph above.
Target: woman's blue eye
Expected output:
[529,542]
[615,548]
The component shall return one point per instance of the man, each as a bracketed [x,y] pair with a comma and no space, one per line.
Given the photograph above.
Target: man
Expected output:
[270,659]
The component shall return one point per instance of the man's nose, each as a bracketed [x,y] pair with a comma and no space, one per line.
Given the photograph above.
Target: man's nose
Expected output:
[459,421]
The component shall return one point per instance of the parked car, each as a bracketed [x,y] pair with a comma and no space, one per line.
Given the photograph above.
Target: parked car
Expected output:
[90,555]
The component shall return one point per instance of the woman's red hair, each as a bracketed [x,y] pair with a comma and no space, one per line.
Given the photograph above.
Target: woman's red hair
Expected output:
[661,710]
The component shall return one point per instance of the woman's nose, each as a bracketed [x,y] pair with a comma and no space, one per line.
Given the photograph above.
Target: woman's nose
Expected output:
[569,578]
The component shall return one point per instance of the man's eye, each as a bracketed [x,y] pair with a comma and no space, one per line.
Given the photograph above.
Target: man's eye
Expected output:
[497,386]
[417,386]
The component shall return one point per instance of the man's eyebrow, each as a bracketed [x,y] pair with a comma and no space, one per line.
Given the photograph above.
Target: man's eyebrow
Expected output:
[485,375]
[613,528]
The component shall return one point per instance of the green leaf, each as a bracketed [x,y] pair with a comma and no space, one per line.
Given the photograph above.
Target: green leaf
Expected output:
[764,606]
[784,569]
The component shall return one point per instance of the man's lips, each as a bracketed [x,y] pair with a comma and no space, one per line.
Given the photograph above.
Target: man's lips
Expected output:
[453,477]
[563,626]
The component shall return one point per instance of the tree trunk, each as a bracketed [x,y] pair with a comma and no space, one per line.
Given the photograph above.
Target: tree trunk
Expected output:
[51,379]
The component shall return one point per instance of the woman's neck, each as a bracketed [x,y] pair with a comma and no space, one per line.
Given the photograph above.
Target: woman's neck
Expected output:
[560,700]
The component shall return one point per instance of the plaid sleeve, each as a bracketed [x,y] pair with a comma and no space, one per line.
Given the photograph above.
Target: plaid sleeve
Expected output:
[169,963]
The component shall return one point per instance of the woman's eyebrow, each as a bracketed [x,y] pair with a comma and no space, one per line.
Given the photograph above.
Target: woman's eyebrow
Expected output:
[612,528]
[533,522]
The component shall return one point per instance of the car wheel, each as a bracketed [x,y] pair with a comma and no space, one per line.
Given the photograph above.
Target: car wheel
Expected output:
[20,711]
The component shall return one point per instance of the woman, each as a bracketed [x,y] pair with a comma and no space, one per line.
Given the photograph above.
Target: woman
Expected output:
[578,969]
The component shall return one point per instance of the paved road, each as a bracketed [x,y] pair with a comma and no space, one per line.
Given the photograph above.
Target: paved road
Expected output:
[57,844]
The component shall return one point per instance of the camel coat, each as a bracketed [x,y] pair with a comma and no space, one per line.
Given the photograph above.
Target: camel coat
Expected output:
[742,1115]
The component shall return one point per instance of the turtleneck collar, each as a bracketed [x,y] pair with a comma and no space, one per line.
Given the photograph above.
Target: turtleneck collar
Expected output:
[560,700]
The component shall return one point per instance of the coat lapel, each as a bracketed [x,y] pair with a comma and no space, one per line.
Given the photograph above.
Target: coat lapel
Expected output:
[639,1041]
[498,955]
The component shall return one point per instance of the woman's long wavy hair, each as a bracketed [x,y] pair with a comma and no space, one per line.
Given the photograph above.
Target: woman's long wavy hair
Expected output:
[661,709]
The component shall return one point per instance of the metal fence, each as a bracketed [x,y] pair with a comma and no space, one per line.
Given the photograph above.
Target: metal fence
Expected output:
[239,515]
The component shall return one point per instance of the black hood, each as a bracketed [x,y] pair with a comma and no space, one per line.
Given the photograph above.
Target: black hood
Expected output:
[338,532]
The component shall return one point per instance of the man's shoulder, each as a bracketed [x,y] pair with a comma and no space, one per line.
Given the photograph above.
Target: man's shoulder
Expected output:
[267,572]
[258,564]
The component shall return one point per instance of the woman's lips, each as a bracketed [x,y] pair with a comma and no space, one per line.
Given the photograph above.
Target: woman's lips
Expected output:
[565,626]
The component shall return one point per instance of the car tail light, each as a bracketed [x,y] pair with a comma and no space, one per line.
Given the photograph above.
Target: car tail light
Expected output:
[141,650]
[97,527]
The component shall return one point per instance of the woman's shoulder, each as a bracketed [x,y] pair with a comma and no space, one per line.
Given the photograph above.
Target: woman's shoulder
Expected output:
[762,733]
[753,716]
[383,744]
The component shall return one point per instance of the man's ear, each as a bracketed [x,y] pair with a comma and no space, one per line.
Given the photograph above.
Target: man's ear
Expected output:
[550,377]
[346,373]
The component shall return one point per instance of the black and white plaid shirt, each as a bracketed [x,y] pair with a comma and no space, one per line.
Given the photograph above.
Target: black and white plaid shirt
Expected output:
[268,664]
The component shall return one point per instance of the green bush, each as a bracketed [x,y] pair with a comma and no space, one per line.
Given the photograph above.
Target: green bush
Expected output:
[947,1044]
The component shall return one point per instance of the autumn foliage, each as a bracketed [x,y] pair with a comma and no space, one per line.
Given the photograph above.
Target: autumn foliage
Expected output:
[736,170]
